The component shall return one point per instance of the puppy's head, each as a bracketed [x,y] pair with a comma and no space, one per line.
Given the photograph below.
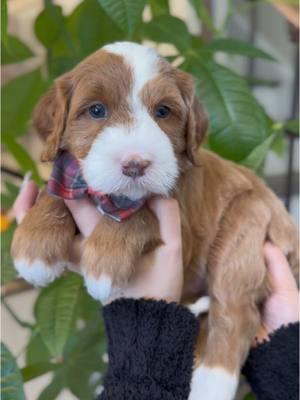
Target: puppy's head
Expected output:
[131,119]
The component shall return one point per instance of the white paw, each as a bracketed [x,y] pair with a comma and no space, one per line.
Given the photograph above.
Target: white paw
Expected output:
[200,306]
[38,273]
[213,384]
[100,289]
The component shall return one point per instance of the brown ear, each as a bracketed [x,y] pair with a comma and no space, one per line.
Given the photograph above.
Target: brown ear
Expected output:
[197,121]
[50,114]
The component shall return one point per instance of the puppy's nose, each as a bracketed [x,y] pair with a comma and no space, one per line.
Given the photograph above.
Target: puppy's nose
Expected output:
[135,166]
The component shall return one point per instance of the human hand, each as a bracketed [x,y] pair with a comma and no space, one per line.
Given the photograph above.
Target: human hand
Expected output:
[282,307]
[158,275]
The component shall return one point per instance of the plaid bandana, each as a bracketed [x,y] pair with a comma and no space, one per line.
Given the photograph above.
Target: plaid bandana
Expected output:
[66,181]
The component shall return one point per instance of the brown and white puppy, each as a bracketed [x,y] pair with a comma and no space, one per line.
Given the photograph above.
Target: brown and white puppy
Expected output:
[147,114]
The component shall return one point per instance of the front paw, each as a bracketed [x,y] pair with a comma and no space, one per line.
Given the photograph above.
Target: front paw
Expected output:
[100,289]
[213,384]
[38,272]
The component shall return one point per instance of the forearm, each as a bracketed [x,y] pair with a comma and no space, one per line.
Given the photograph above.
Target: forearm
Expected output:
[272,368]
[150,347]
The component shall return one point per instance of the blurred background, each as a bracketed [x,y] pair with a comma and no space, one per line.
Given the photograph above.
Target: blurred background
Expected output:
[245,59]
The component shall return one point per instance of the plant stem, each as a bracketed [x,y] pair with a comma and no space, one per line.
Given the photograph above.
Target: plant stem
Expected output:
[22,323]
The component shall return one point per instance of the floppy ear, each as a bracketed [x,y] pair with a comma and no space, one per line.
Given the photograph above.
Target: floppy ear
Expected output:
[50,114]
[197,120]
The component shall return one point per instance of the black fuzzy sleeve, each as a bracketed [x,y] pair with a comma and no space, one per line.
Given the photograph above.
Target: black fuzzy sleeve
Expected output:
[272,368]
[150,350]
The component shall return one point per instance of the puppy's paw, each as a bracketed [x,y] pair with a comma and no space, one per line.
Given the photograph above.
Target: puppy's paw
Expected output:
[101,288]
[213,384]
[37,272]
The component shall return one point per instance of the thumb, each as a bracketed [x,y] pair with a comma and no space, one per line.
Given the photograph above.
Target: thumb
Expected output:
[278,269]
[25,200]
[85,214]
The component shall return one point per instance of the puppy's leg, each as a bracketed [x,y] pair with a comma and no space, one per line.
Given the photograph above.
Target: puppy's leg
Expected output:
[42,242]
[113,250]
[236,279]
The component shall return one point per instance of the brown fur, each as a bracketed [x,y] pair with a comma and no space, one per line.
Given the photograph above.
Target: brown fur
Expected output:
[227,212]
[46,233]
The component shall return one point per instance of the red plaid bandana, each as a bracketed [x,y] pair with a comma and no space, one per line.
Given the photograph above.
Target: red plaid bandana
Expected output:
[66,181]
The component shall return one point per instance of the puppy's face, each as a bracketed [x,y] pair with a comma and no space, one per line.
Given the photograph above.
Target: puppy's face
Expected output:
[129,117]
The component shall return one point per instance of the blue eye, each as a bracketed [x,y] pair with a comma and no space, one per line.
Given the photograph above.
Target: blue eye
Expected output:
[162,111]
[98,111]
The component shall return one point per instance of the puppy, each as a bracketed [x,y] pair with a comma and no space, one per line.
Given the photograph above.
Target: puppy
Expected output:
[132,126]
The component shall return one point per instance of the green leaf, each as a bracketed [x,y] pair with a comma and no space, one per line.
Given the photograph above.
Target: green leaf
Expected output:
[168,29]
[14,51]
[235,46]
[83,348]
[126,13]
[238,123]
[203,14]
[292,126]
[11,378]
[36,350]
[8,272]
[159,7]
[9,194]
[52,391]
[18,99]
[55,312]
[279,145]
[22,157]
[256,158]
[49,24]
[35,370]
[86,31]
[4,21]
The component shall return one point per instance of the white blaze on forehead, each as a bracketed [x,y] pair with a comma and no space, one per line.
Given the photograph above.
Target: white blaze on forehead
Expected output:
[102,167]
[142,60]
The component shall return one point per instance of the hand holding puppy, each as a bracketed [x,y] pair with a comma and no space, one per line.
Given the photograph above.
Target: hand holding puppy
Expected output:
[159,274]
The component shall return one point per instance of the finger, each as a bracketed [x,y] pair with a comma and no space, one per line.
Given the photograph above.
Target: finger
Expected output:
[278,268]
[25,200]
[168,214]
[85,214]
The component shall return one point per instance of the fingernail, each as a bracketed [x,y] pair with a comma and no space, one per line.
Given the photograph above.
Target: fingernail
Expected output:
[26,179]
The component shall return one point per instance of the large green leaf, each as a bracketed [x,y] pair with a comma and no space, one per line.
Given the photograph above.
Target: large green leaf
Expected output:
[36,351]
[82,357]
[50,25]
[257,156]
[168,29]
[238,123]
[18,99]
[8,272]
[14,51]
[52,391]
[235,46]
[35,370]
[86,30]
[159,7]
[126,13]
[55,312]
[9,195]
[22,157]
[11,378]
[4,21]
